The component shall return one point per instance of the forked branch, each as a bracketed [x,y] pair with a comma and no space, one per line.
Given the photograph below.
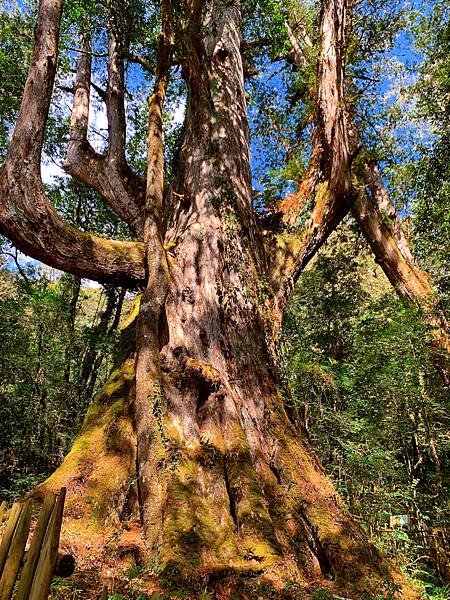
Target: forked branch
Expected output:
[26,215]
[326,194]
[108,174]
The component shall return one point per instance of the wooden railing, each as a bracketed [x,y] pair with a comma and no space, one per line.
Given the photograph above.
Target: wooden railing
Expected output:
[28,573]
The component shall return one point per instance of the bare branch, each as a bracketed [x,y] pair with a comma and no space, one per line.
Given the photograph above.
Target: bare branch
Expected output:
[18,266]
[108,174]
[140,60]
[299,55]
[100,91]
[66,88]
[89,52]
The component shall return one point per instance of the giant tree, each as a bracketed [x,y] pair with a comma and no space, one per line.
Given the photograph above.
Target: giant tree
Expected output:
[193,441]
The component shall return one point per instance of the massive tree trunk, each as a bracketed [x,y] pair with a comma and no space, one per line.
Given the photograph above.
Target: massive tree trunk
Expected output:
[190,441]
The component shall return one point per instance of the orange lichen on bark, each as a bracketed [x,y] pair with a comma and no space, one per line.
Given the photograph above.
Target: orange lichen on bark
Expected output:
[293,203]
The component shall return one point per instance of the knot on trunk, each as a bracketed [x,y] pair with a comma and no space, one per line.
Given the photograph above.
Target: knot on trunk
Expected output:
[203,373]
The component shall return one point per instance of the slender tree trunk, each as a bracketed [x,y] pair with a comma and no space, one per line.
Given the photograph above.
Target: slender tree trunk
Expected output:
[92,357]
[74,286]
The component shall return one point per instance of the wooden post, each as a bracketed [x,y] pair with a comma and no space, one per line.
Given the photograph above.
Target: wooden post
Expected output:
[105,591]
[3,509]
[15,552]
[65,565]
[32,557]
[46,565]
[8,534]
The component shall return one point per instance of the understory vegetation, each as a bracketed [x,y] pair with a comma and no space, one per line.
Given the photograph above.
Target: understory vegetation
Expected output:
[376,413]
[57,339]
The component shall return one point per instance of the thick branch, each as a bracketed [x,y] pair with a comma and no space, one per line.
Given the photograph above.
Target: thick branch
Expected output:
[325,194]
[108,174]
[26,215]
[380,195]
[382,229]
[115,105]
[148,371]
[80,113]
[139,60]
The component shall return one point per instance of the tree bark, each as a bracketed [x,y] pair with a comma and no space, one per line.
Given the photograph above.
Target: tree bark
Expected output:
[109,174]
[193,433]
[26,215]
[383,231]
[326,193]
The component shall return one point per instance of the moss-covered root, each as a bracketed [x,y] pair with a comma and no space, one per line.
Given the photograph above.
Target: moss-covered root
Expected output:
[230,530]
[99,469]
[216,533]
[215,528]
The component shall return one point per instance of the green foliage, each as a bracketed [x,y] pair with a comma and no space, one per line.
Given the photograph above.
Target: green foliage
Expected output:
[54,356]
[430,172]
[82,207]
[16,29]
[64,589]
[323,594]
[266,20]
[279,140]
[361,378]
[431,225]
[432,38]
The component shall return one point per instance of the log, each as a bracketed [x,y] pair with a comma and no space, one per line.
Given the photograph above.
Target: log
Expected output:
[8,533]
[32,556]
[15,552]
